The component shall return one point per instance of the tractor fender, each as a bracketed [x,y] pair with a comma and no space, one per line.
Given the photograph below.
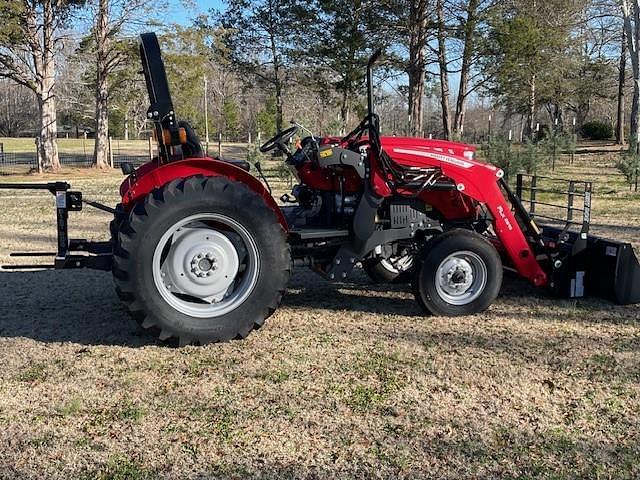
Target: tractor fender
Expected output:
[151,176]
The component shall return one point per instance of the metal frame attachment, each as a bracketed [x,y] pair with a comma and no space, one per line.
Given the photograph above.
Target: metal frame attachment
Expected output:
[95,255]
[529,186]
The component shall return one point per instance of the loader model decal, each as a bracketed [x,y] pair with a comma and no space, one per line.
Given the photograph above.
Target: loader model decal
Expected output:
[504,217]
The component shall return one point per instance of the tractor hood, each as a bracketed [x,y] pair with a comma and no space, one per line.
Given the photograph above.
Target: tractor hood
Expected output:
[422,152]
[440,146]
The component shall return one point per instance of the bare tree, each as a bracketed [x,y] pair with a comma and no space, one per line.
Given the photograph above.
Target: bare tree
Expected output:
[622,75]
[631,16]
[17,110]
[418,30]
[444,70]
[29,40]
[110,18]
[469,34]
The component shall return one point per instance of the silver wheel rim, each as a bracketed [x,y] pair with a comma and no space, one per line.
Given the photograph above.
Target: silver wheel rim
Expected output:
[397,264]
[461,278]
[206,265]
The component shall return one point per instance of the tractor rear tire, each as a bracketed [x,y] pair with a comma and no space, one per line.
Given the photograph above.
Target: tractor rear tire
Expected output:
[458,273]
[201,260]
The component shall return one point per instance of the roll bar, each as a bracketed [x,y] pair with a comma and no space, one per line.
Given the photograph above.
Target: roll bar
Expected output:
[161,111]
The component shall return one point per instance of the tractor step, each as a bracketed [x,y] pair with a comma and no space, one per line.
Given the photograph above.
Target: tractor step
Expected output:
[318,233]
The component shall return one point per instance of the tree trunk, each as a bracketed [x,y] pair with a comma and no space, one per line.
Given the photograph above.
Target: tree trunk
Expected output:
[621,85]
[444,75]
[344,111]
[467,57]
[279,102]
[532,107]
[634,130]
[277,78]
[48,138]
[45,66]
[416,67]
[631,16]
[101,148]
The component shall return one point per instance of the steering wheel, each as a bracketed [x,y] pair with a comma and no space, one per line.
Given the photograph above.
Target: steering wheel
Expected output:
[279,140]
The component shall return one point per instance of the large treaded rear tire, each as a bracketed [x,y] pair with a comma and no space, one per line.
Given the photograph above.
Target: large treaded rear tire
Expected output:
[141,232]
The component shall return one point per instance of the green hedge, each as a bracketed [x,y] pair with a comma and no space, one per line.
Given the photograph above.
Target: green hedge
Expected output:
[597,130]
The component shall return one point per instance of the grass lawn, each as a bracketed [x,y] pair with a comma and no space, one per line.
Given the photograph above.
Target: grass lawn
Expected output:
[345,380]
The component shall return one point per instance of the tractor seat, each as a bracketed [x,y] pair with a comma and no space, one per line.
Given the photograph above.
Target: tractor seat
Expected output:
[243,164]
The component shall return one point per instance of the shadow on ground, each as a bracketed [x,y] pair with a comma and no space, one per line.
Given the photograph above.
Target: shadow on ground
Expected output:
[65,306]
[81,306]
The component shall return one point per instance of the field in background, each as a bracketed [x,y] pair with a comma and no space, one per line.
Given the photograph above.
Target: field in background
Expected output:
[71,145]
[81,146]
[345,380]
[18,155]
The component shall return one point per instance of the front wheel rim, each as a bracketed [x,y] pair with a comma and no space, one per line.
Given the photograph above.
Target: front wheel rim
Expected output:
[206,265]
[461,278]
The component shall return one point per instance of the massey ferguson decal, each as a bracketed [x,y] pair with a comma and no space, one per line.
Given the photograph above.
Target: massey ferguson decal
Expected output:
[436,156]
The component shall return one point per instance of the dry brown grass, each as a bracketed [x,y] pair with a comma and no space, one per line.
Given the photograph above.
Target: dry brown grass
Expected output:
[345,380]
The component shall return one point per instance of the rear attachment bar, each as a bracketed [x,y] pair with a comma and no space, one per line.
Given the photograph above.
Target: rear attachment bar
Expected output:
[582,264]
[99,254]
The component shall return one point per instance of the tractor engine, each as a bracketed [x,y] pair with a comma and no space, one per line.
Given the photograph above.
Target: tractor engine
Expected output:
[320,208]
[327,194]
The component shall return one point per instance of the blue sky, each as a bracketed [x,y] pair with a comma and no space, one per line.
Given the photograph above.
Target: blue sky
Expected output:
[182,12]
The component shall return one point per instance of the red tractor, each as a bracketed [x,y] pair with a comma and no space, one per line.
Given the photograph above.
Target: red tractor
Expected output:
[201,252]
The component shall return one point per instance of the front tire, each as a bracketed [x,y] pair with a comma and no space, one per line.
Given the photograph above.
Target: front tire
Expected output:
[460,273]
[201,260]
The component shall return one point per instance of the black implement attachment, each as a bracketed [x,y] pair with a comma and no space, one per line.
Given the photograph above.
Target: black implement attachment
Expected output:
[604,268]
[71,253]
[582,264]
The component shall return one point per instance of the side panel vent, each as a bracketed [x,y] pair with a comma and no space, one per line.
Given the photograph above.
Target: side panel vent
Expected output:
[405,215]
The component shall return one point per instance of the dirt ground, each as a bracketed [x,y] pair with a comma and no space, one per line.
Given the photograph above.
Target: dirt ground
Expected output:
[345,380]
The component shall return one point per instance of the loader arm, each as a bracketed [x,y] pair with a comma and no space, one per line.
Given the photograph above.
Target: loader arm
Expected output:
[480,182]
[484,185]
